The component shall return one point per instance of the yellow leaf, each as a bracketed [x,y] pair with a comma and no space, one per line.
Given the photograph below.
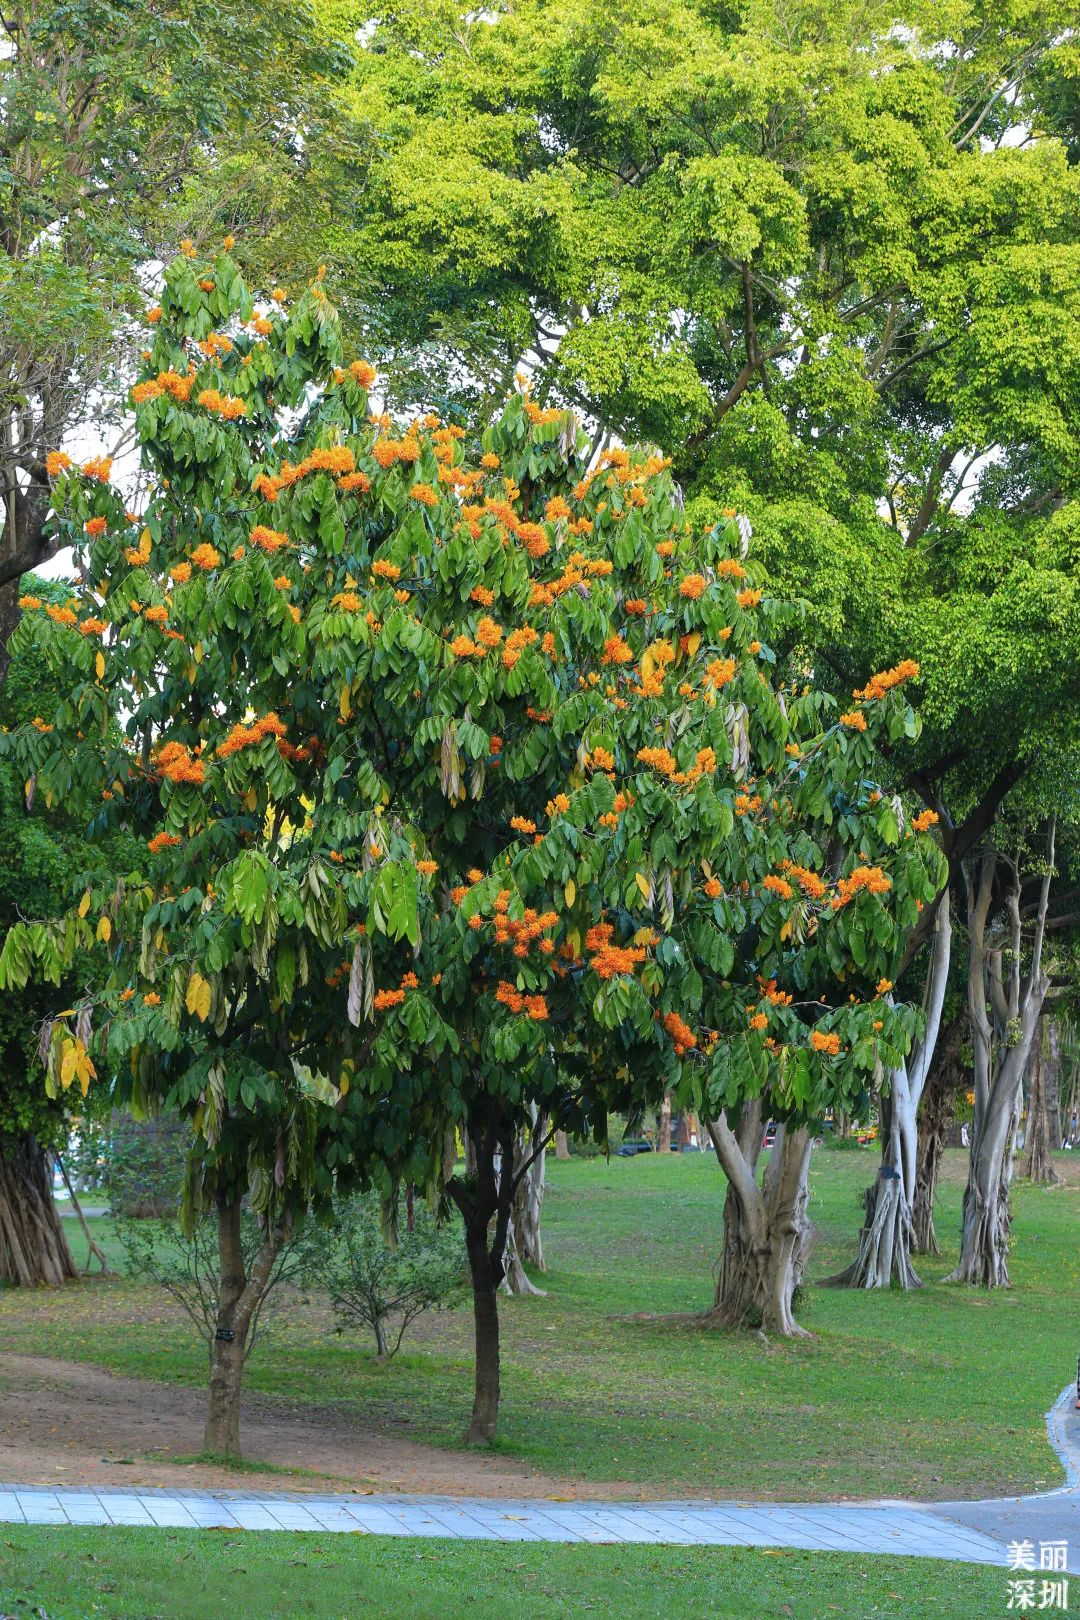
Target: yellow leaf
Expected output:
[145,542]
[570,892]
[99,666]
[693,642]
[197,652]
[84,904]
[343,1085]
[643,884]
[787,928]
[68,1063]
[197,1000]
[345,703]
[190,672]
[104,930]
[251,798]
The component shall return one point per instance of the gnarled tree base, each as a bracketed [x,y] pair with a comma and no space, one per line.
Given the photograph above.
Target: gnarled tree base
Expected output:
[34,1249]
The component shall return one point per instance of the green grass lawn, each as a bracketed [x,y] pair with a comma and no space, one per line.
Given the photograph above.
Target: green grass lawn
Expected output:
[938,1393]
[73,1574]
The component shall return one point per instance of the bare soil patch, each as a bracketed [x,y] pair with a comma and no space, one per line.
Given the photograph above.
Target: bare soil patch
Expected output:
[66,1423]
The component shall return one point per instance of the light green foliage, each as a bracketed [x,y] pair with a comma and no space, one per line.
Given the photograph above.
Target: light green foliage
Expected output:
[810,252]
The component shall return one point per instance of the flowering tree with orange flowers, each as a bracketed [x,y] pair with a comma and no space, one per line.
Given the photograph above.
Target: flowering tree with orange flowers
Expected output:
[469,792]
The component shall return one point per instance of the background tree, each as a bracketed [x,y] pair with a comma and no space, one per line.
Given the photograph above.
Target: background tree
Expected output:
[38,852]
[121,127]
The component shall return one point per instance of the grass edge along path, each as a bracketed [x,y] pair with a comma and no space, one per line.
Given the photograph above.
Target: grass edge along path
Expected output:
[124,1574]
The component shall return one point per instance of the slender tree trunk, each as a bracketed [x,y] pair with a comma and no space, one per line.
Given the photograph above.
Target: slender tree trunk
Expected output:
[485,1412]
[663,1125]
[239,1296]
[1052,1082]
[885,1242]
[94,1249]
[34,1249]
[1036,1164]
[484,1195]
[766,1232]
[382,1349]
[562,1146]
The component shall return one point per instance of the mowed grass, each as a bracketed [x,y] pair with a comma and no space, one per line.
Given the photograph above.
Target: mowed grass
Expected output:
[74,1574]
[935,1394]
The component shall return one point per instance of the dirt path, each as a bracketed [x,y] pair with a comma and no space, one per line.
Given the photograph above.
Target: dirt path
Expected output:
[65,1423]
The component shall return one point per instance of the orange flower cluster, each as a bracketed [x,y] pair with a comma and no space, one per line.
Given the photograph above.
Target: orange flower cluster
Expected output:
[623,801]
[216,343]
[93,627]
[56,462]
[884,986]
[60,615]
[387,451]
[730,569]
[809,882]
[424,494]
[385,570]
[99,467]
[158,615]
[608,959]
[714,888]
[335,458]
[522,824]
[227,406]
[96,526]
[29,602]
[747,803]
[855,720]
[176,762]
[601,759]
[681,1033]
[748,599]
[692,586]
[778,886]
[516,642]
[360,372]
[720,672]
[268,540]
[162,841]
[878,685]
[870,878]
[356,481]
[924,821]
[242,736]
[825,1042]
[759,1021]
[205,557]
[488,633]
[388,998]
[346,602]
[520,933]
[658,759]
[635,605]
[617,651]
[535,1006]
[427,868]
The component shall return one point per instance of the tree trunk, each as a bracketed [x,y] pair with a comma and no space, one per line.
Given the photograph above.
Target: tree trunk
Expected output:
[1052,1081]
[382,1349]
[1004,1017]
[481,1195]
[1036,1164]
[485,1412]
[947,1077]
[663,1125]
[766,1233]
[884,1252]
[239,1297]
[34,1249]
[562,1146]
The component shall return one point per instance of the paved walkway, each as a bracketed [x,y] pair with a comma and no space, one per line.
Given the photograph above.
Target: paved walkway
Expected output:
[968,1532]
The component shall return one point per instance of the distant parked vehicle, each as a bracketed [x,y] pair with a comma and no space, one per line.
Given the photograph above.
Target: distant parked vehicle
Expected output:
[770,1134]
[628,1150]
